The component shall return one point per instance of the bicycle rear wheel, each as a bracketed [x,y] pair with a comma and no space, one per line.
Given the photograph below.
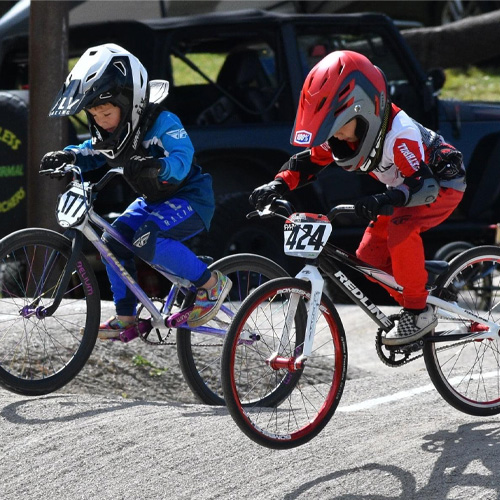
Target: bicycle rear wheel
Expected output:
[40,354]
[200,354]
[275,402]
[466,373]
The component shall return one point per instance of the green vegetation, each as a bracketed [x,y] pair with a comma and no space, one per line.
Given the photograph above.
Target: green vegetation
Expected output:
[154,371]
[472,84]
[210,64]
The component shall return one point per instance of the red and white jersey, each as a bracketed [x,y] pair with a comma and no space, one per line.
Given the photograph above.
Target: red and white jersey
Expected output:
[403,150]
[406,144]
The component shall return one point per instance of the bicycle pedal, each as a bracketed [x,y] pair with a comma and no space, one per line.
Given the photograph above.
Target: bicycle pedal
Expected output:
[405,348]
[132,332]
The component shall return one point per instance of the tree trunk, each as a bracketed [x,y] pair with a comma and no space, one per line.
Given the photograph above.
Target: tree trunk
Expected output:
[467,42]
[48,63]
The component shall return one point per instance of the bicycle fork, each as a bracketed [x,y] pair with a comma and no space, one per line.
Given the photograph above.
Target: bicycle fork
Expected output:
[277,361]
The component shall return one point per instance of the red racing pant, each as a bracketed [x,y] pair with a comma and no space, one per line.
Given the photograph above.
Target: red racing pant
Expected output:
[394,245]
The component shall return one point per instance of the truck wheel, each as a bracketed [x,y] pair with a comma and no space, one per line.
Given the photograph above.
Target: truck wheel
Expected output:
[13,157]
[451,250]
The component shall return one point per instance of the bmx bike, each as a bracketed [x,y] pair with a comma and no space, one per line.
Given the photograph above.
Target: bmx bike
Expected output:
[50,301]
[284,361]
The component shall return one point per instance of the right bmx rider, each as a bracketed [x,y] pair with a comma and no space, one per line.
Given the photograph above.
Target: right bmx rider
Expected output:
[345,118]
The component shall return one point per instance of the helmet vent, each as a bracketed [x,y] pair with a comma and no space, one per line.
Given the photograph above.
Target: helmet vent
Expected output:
[340,109]
[93,53]
[344,91]
[121,67]
[320,104]
[344,106]
[90,77]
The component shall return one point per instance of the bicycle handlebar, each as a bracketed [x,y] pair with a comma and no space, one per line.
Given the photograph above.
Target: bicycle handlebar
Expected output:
[340,209]
[110,174]
[61,171]
[271,209]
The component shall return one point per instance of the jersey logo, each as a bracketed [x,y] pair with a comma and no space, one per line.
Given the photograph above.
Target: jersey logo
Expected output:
[407,152]
[178,134]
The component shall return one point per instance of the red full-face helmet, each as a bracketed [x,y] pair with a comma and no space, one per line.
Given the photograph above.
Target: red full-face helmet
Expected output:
[344,85]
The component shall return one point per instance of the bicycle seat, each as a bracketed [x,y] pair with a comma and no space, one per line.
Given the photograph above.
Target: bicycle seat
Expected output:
[434,269]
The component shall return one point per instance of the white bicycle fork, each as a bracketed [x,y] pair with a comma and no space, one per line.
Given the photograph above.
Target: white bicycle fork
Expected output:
[309,273]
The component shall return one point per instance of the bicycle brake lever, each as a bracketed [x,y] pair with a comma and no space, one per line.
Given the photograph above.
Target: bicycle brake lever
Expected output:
[263,214]
[251,215]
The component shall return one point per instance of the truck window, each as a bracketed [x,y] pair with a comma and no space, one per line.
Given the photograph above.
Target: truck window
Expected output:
[224,81]
[314,44]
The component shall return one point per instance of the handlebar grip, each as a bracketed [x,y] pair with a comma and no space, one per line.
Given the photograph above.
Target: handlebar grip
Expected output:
[340,209]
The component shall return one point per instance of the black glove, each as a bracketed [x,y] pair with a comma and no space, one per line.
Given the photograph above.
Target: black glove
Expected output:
[266,194]
[379,204]
[447,162]
[56,159]
[138,166]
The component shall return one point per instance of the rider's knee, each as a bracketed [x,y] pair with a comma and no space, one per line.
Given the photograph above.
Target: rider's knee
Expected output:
[144,241]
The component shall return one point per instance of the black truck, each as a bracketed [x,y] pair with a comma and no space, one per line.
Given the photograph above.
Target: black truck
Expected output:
[234,80]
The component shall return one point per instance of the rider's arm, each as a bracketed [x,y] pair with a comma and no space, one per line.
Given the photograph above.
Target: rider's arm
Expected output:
[86,157]
[304,167]
[168,141]
[415,179]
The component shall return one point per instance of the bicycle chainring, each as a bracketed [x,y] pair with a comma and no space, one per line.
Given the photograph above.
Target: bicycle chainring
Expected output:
[395,356]
[154,336]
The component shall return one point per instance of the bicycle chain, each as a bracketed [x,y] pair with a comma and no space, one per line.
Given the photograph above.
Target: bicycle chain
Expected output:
[404,350]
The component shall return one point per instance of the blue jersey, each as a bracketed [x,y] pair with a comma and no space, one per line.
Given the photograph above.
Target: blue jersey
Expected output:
[168,141]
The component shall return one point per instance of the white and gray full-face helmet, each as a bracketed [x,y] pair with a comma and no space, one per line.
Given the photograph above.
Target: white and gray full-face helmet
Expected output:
[106,73]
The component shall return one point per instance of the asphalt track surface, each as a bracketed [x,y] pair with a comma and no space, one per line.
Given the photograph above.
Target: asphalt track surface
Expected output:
[392,437]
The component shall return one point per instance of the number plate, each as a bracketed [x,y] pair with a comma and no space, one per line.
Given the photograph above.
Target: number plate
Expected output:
[306,234]
[72,206]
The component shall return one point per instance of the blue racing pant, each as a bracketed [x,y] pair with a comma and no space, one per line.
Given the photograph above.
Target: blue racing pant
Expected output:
[156,231]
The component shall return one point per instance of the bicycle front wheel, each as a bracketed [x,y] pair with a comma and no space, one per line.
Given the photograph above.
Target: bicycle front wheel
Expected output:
[277,400]
[200,353]
[40,354]
[466,373]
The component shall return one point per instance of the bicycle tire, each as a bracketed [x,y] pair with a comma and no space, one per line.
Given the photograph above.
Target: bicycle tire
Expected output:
[466,373]
[250,383]
[199,355]
[42,354]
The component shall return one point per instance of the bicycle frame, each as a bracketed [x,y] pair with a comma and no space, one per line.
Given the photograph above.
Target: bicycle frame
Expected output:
[159,318]
[327,262]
